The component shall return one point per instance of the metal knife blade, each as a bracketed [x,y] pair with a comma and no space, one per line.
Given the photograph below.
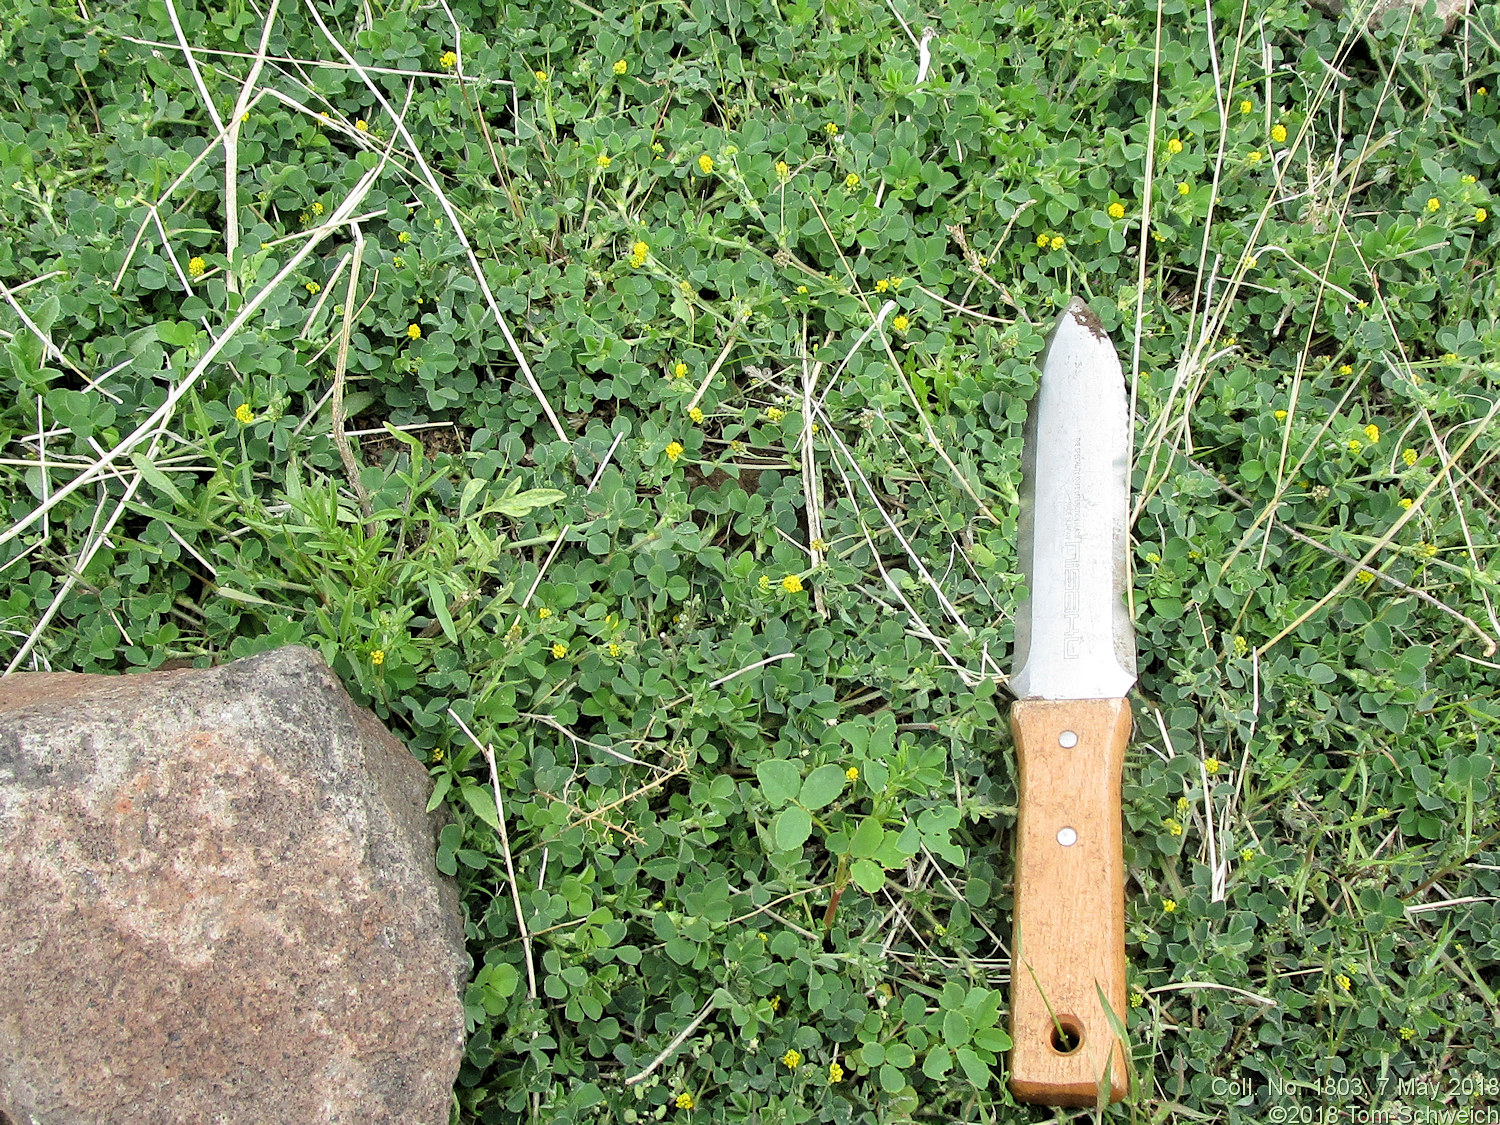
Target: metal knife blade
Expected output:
[1074,662]
[1074,639]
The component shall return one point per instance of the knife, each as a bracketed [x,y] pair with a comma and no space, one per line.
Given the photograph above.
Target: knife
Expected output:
[1074,662]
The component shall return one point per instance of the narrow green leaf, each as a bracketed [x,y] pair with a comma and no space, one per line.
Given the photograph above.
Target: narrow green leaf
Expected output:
[440,609]
[156,478]
[483,804]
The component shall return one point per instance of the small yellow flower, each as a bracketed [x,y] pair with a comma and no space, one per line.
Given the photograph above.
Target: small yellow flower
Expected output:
[1343,982]
[1245,106]
[1137,999]
[614,650]
[1247,854]
[312,287]
[674,450]
[404,237]
[1042,240]
[1211,765]
[896,281]
[1117,210]
[377,657]
[621,66]
[559,650]
[882,285]
[1407,1033]
[775,413]
[437,754]
[852,773]
[1174,146]
[792,584]
[684,1100]
[603,161]
[831,129]
[1470,180]
[901,324]
[1253,261]
[818,545]
[413,331]
[1434,204]
[851,181]
[765,582]
[1182,805]
[656,148]
[1183,189]
[783,171]
[317,207]
[1409,456]
[448,61]
[793,1059]
[243,414]
[1346,369]
[1241,646]
[1426,550]
[196,266]
[1278,133]
[1173,827]
[1480,215]
[362,126]
[775,1003]
[696,414]
[543,613]
[539,75]
[1254,156]
[1057,242]
[1281,416]
[1169,906]
[399,262]
[1481,92]
[1364,578]
[1372,431]
[705,164]
[801,289]
[835,1072]
[1355,445]
[1405,501]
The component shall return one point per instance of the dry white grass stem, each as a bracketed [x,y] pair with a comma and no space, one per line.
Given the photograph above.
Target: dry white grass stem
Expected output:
[510,870]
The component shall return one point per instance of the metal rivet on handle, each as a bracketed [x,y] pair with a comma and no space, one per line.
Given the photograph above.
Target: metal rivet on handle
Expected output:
[1067,837]
[1067,740]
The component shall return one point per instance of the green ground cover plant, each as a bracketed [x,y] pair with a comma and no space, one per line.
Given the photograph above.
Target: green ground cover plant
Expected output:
[626,401]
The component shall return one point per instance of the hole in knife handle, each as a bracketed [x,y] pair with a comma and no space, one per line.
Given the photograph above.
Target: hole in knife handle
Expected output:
[1067,1035]
[1067,740]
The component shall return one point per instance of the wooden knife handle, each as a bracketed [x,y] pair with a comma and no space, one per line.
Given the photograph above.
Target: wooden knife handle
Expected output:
[1068,941]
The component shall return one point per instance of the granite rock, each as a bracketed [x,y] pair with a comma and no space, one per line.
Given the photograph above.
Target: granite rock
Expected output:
[218,904]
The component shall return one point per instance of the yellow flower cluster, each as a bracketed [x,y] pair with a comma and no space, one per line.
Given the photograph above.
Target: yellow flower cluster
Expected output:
[835,1072]
[680,370]
[684,1100]
[196,266]
[638,254]
[559,650]
[243,414]
[603,161]
[377,657]
[621,66]
[674,450]
[362,125]
[705,164]
[413,331]
[696,415]
[1364,578]
[1278,133]
[1174,146]
[1372,431]
[775,414]
[831,129]
[851,181]
[1169,905]
[783,171]
[1117,210]
[448,61]
[614,650]
[901,324]
[792,584]
[852,774]
[1409,456]
[792,1059]
[539,75]
[1211,766]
